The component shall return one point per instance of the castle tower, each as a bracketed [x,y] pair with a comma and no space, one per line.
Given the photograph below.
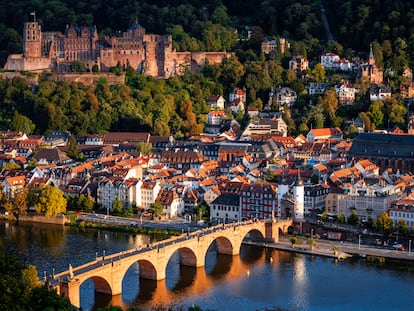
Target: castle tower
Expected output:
[299,196]
[32,39]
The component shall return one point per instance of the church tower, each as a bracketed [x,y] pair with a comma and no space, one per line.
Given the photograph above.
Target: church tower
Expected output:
[32,39]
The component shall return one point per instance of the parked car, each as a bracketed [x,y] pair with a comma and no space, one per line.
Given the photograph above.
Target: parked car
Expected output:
[398,247]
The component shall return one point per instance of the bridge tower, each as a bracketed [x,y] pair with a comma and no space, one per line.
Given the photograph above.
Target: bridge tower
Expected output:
[299,196]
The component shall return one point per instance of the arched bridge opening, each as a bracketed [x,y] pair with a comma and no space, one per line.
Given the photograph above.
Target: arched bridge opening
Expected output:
[147,270]
[181,269]
[254,235]
[222,245]
[94,286]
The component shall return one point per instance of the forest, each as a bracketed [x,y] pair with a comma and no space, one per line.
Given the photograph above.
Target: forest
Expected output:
[177,106]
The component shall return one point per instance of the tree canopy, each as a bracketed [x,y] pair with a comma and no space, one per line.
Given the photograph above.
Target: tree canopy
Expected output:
[20,288]
[50,201]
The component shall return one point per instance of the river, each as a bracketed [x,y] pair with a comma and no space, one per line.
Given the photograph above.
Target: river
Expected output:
[258,279]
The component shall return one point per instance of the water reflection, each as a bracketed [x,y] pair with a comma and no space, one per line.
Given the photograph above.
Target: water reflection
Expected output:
[255,280]
[300,283]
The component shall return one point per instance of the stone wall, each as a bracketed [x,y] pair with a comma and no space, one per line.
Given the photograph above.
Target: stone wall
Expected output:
[31,80]
[86,78]
[57,220]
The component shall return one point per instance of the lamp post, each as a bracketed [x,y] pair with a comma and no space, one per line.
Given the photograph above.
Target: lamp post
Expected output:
[359,241]
[311,234]
[96,256]
[53,273]
[409,247]
[103,257]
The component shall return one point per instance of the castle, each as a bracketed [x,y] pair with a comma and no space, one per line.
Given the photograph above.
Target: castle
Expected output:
[149,54]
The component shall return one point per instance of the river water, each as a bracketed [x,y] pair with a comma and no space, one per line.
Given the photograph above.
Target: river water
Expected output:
[258,279]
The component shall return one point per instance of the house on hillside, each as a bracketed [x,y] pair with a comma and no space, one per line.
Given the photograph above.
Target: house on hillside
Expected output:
[345,94]
[298,63]
[282,96]
[379,92]
[238,94]
[216,102]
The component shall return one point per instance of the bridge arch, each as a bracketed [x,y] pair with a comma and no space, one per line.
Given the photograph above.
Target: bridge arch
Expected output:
[147,270]
[224,245]
[254,235]
[102,285]
[187,257]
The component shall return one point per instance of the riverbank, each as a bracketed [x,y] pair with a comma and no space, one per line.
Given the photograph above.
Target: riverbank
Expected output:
[124,228]
[341,251]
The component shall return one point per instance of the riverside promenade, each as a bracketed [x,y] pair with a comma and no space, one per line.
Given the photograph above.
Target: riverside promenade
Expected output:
[343,250]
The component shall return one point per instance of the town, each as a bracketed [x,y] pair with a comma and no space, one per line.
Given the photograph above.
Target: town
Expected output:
[217,133]
[228,172]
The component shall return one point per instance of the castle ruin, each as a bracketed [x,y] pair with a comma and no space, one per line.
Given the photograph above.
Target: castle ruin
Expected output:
[149,54]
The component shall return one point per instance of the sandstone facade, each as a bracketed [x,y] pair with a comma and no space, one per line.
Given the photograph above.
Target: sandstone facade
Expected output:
[147,53]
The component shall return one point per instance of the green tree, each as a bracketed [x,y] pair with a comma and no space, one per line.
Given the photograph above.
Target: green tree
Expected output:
[311,242]
[117,206]
[376,114]
[201,211]
[50,201]
[293,241]
[88,204]
[353,218]
[10,166]
[20,201]
[20,288]
[329,103]
[30,277]
[73,151]
[341,218]
[22,124]
[402,227]
[220,16]
[156,209]
[384,223]
[144,148]
[79,67]
[318,73]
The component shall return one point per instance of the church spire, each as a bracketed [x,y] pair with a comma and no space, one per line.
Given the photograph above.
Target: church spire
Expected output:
[371,60]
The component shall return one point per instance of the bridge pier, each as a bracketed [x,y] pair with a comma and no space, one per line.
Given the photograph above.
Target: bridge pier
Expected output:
[70,290]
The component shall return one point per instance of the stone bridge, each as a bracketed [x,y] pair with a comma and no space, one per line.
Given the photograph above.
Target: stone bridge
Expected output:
[108,272]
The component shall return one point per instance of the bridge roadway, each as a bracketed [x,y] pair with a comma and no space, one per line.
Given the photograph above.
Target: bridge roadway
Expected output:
[107,272]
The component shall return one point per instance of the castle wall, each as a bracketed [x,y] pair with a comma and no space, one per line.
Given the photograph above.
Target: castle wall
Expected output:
[194,60]
[178,63]
[15,62]
[110,58]
[87,78]
[31,80]
[37,64]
